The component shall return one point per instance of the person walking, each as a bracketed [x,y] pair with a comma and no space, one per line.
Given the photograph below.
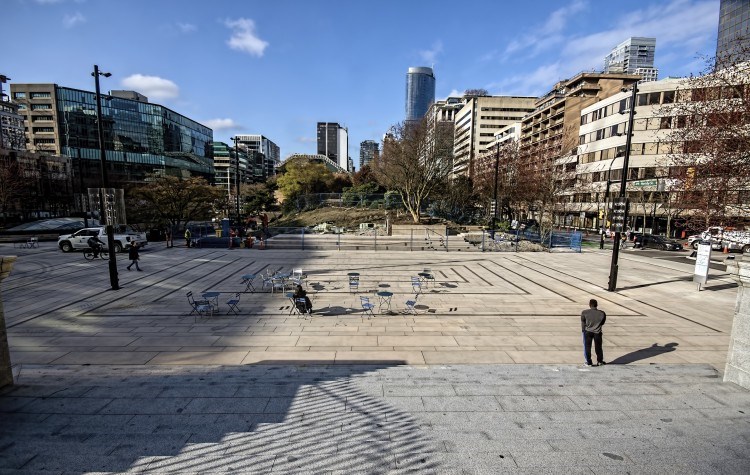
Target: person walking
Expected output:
[188,235]
[134,256]
[592,321]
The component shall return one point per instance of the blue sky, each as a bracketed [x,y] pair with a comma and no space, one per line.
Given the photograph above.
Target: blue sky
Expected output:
[278,67]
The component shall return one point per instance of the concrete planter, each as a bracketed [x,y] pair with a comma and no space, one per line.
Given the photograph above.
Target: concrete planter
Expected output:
[737,369]
[6,376]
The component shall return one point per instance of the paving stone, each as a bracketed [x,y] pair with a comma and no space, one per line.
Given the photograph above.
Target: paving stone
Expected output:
[407,405]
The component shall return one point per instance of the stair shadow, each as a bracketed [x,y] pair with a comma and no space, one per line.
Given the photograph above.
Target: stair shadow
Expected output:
[198,419]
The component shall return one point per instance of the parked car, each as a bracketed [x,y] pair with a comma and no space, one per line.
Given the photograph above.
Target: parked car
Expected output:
[652,241]
[79,239]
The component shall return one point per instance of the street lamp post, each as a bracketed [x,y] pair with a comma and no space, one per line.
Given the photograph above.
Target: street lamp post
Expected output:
[237,177]
[623,183]
[606,202]
[105,182]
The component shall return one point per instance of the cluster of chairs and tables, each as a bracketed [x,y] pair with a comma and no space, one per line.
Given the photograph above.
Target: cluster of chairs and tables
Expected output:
[286,282]
[422,279]
[208,304]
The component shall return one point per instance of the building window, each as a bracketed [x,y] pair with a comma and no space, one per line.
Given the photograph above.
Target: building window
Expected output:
[39,95]
[43,141]
[38,118]
[19,95]
[43,129]
[37,107]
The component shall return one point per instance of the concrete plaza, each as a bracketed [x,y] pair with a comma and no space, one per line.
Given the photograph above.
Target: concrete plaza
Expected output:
[486,378]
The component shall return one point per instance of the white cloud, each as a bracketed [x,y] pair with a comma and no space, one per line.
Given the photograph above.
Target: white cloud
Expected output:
[186,27]
[152,86]
[69,21]
[221,124]
[665,21]
[455,93]
[307,139]
[429,56]
[548,34]
[48,2]
[244,37]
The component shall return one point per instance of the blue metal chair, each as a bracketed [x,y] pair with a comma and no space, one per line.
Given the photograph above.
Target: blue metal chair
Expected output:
[410,306]
[353,284]
[416,285]
[367,306]
[200,307]
[233,302]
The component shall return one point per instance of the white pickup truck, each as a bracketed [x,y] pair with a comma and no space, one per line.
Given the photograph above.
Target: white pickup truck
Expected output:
[124,237]
[720,237]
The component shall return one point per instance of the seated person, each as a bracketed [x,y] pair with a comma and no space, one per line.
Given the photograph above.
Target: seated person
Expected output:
[299,293]
[95,244]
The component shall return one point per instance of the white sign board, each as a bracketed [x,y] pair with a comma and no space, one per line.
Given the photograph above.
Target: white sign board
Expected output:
[702,261]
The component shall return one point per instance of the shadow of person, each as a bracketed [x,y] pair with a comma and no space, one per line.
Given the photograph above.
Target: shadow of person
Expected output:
[645,353]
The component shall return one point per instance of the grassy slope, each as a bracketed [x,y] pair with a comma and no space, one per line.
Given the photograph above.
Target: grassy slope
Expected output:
[346,217]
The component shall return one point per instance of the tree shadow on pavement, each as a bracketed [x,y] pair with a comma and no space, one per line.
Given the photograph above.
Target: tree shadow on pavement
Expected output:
[644,353]
[276,416]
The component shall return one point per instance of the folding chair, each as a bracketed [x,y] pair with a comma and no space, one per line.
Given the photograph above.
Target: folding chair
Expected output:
[353,283]
[248,279]
[200,307]
[301,305]
[416,285]
[411,306]
[299,277]
[233,302]
[367,306]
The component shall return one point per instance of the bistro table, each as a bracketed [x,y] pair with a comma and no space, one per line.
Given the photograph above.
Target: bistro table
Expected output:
[426,277]
[212,296]
[248,279]
[385,300]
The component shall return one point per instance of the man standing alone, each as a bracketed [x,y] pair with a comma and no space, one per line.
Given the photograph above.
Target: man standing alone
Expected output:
[592,321]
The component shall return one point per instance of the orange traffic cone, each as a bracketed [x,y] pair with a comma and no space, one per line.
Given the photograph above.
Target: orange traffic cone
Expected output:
[726,249]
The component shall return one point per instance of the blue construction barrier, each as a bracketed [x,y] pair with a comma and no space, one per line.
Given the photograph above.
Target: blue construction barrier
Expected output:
[563,239]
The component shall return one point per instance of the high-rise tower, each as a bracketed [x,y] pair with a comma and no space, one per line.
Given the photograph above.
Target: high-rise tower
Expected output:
[733,38]
[333,142]
[369,150]
[420,92]
[633,56]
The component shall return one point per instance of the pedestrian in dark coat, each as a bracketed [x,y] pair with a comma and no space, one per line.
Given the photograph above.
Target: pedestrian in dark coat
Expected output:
[134,256]
[592,321]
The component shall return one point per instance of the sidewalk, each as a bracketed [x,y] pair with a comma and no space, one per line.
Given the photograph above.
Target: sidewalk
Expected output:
[483,308]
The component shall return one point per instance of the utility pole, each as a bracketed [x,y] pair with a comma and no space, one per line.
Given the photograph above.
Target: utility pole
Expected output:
[113,279]
[623,201]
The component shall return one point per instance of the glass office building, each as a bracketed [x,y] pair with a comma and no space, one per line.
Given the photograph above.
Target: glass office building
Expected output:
[139,138]
[420,92]
[733,38]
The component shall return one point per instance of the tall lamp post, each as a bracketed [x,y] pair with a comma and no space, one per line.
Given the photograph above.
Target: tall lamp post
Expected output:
[623,195]
[606,202]
[237,177]
[105,181]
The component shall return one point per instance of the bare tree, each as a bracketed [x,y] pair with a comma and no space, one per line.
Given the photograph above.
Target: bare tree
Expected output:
[416,159]
[501,163]
[11,184]
[710,156]
[173,200]
[543,177]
